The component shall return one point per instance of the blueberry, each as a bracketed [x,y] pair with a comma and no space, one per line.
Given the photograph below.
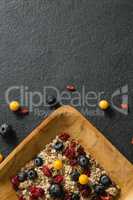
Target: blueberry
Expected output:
[99,189]
[51,100]
[5,129]
[38,161]
[75,175]
[22,176]
[56,191]
[32,174]
[83,161]
[75,196]
[105,180]
[58,146]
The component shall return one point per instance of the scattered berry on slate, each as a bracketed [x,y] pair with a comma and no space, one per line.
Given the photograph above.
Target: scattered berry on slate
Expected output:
[32,174]
[47,172]
[58,146]
[24,111]
[58,179]
[105,181]
[1,157]
[15,182]
[51,100]
[14,106]
[71,88]
[22,176]
[99,189]
[83,161]
[36,192]
[5,130]
[132,141]
[75,196]
[38,161]
[56,191]
[75,175]
[64,136]
[103,105]
[124,106]
[85,190]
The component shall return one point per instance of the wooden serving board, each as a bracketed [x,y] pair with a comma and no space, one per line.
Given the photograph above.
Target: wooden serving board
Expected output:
[69,120]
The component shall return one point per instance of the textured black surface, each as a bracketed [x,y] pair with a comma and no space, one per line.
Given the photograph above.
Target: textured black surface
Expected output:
[56,42]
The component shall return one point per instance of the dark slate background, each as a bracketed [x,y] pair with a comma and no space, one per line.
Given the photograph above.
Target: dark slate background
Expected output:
[56,42]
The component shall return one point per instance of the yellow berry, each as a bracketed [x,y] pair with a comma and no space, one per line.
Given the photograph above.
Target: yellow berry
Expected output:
[103,104]
[58,164]
[83,179]
[14,106]
[1,157]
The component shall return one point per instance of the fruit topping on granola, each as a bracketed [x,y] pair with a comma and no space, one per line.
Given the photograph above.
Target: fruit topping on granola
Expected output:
[56,191]
[83,179]
[32,174]
[58,146]
[36,192]
[58,164]
[58,179]
[64,171]
[15,182]
[22,176]
[64,137]
[83,161]
[75,175]
[38,161]
[21,198]
[75,196]
[46,171]
[99,189]
[105,180]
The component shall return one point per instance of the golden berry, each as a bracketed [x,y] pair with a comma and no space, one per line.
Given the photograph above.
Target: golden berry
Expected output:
[14,106]
[103,104]
[58,164]
[83,179]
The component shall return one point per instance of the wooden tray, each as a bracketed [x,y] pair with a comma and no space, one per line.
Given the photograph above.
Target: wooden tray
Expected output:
[69,120]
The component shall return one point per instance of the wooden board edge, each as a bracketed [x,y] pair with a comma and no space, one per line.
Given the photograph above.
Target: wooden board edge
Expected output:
[61,110]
